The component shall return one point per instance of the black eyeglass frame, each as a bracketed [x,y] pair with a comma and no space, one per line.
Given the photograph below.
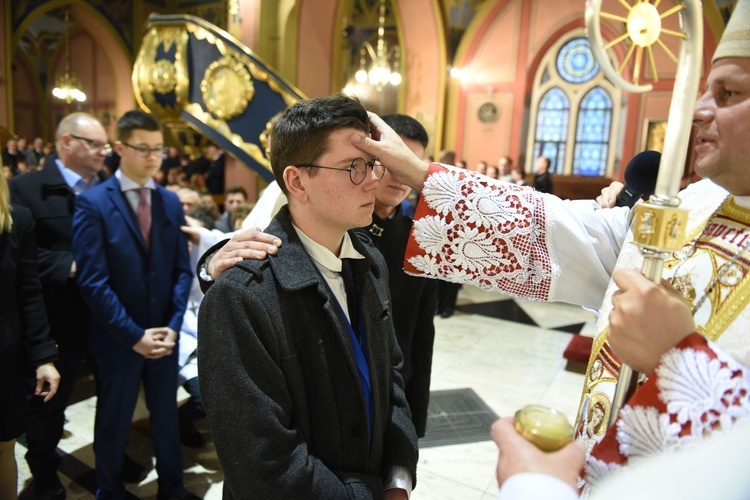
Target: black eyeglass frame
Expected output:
[352,169]
[93,144]
[144,152]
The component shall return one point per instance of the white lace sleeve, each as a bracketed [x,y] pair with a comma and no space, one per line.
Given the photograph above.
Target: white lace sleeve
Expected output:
[499,236]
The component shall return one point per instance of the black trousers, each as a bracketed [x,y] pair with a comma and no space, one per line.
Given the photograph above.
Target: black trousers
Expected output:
[46,420]
[447,295]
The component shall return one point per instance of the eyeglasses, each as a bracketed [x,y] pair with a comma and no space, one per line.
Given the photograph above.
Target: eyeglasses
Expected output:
[145,152]
[357,170]
[94,145]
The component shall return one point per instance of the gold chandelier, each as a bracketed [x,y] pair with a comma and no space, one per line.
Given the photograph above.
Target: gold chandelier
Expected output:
[67,85]
[380,72]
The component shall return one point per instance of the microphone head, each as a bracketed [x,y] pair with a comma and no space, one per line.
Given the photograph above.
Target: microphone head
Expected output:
[642,171]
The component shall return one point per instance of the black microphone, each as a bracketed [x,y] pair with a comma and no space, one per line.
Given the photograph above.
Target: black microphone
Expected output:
[640,178]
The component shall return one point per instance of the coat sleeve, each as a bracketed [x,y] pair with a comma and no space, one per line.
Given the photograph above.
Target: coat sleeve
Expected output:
[54,265]
[40,347]
[93,275]
[249,406]
[471,229]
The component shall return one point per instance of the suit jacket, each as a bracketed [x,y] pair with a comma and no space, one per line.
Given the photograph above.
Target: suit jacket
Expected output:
[280,383]
[128,287]
[51,202]
[543,182]
[414,300]
[21,304]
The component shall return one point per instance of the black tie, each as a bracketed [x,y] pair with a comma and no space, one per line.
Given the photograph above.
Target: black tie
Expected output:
[347,269]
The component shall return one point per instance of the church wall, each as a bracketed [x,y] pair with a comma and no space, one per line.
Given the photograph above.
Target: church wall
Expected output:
[501,51]
[26,99]
[424,69]
[317,26]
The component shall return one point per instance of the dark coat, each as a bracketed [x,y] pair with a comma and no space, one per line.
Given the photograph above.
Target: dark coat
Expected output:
[280,383]
[543,182]
[52,202]
[128,287]
[21,305]
[414,300]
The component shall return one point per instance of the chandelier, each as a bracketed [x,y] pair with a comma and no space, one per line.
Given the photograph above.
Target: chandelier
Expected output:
[380,72]
[67,85]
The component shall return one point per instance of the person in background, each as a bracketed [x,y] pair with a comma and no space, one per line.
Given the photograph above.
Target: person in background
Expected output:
[413,299]
[24,333]
[10,155]
[504,167]
[233,197]
[50,195]
[481,167]
[543,178]
[215,174]
[38,150]
[492,171]
[517,177]
[134,274]
[26,154]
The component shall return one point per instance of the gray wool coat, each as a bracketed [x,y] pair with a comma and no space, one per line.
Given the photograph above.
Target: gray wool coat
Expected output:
[280,383]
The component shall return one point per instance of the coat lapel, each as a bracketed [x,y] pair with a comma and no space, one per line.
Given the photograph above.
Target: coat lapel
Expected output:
[121,204]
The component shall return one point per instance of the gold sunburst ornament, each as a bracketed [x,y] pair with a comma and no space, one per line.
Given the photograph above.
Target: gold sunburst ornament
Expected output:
[227,87]
[643,28]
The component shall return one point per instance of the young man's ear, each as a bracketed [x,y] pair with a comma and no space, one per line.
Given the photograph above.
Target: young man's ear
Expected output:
[118,147]
[294,179]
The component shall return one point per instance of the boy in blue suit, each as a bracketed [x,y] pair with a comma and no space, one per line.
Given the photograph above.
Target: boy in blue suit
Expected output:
[134,274]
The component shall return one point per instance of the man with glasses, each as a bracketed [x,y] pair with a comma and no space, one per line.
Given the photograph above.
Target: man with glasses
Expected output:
[50,194]
[135,276]
[298,360]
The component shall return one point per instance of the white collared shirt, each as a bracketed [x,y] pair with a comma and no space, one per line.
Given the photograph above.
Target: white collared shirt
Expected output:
[329,264]
[73,180]
[128,185]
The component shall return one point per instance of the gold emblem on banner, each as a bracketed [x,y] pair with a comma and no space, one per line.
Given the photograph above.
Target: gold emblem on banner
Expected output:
[164,77]
[227,87]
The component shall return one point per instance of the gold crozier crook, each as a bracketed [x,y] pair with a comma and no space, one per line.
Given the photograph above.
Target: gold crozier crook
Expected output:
[659,228]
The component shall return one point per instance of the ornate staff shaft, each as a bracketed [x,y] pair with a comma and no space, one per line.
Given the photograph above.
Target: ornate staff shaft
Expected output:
[660,225]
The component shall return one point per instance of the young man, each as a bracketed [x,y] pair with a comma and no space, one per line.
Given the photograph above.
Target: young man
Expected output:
[300,376]
[234,196]
[414,298]
[134,275]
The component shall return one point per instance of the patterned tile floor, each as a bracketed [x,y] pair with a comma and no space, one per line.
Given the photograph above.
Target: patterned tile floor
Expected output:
[508,352]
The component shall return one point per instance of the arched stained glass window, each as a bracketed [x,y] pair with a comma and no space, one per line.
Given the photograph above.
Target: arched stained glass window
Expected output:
[574,111]
[592,133]
[552,127]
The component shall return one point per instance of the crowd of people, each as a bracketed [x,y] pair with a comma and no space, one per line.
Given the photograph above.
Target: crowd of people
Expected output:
[312,337]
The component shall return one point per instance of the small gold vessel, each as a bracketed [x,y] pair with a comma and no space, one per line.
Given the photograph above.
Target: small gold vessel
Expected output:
[548,429]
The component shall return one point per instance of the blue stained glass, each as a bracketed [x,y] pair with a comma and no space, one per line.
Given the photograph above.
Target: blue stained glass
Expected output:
[592,133]
[552,127]
[575,63]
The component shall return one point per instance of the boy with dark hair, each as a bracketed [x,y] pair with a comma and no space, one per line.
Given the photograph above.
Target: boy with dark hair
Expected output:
[134,274]
[414,298]
[299,359]
[234,196]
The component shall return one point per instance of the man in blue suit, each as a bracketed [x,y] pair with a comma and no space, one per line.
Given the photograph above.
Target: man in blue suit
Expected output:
[134,274]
